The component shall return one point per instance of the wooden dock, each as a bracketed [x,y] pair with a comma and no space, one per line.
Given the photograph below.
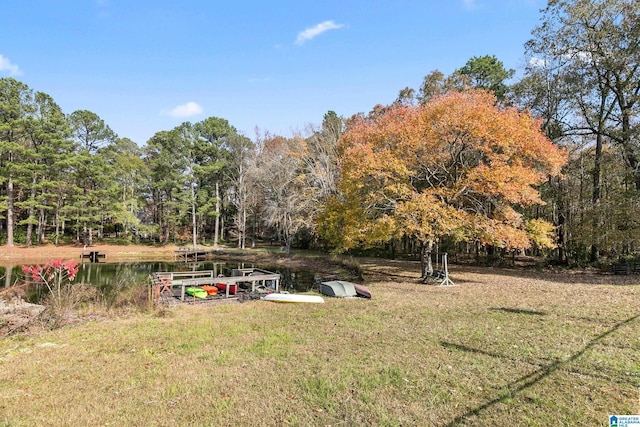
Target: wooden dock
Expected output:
[173,284]
[190,253]
[93,256]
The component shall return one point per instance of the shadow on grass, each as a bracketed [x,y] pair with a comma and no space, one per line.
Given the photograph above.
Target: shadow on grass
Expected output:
[531,379]
[459,347]
[519,311]
[575,276]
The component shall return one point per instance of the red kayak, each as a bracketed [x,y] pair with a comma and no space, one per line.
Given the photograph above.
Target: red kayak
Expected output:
[361,291]
[222,287]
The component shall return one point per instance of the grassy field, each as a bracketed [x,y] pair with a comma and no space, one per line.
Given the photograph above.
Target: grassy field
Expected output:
[501,348]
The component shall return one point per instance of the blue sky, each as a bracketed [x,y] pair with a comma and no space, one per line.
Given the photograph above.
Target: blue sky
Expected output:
[145,66]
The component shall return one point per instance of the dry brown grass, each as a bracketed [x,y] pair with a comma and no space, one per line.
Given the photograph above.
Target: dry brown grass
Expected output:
[504,347]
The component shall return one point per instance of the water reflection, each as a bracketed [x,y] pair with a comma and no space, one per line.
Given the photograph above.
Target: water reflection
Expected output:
[110,277]
[7,277]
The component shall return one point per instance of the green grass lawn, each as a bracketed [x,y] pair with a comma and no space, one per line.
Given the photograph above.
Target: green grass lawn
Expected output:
[498,349]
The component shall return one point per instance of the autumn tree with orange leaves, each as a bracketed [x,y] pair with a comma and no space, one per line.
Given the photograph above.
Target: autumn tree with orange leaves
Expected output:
[459,166]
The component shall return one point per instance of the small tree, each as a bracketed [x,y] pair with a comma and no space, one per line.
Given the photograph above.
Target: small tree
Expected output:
[53,274]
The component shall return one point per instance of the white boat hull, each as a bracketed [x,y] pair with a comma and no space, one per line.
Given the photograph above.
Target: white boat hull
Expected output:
[293,298]
[338,288]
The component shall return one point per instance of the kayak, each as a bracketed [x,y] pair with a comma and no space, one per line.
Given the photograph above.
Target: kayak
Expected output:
[362,292]
[211,290]
[293,298]
[196,292]
[222,287]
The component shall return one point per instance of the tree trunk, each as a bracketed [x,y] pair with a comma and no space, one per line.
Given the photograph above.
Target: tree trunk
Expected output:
[561,233]
[217,222]
[29,237]
[255,226]
[7,278]
[634,164]
[244,224]
[194,230]
[57,224]
[42,219]
[595,197]
[10,211]
[239,229]
[426,266]
[627,140]
[164,236]
[288,239]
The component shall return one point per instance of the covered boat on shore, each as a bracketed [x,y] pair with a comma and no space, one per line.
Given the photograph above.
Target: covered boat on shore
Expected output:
[338,288]
[342,289]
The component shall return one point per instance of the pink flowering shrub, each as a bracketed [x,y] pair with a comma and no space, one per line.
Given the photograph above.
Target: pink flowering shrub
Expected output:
[53,274]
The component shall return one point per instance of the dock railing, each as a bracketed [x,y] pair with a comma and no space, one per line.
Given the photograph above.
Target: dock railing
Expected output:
[190,253]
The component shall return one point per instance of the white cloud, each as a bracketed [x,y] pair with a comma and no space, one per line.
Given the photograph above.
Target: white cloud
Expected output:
[186,110]
[6,65]
[103,8]
[537,62]
[470,4]
[312,32]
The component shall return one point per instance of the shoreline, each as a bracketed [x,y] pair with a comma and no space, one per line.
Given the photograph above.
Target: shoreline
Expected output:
[18,255]
[11,256]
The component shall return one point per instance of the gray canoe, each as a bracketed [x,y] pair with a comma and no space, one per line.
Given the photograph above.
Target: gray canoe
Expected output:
[338,288]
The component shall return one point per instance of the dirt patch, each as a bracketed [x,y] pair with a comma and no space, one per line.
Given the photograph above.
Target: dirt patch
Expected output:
[16,314]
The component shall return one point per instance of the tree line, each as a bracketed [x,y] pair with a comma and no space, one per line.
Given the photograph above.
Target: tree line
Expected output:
[474,161]
[70,177]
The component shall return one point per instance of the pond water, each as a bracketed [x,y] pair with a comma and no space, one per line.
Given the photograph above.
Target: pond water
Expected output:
[110,276]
